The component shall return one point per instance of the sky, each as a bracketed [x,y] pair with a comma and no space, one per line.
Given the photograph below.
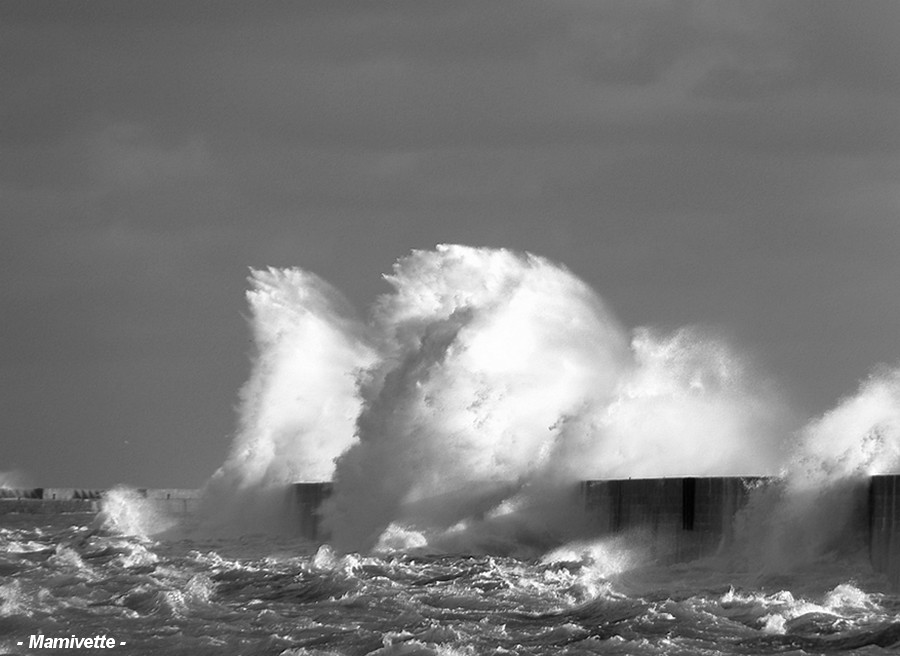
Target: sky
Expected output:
[733,165]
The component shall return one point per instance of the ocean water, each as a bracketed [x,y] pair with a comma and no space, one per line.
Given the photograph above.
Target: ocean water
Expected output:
[80,575]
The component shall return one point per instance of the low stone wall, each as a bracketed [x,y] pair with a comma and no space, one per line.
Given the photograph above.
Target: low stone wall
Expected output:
[172,501]
[71,493]
[82,500]
[21,493]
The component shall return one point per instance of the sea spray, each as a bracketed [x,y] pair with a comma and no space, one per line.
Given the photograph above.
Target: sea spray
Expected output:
[688,405]
[14,479]
[485,351]
[125,511]
[815,508]
[473,399]
[858,437]
[505,380]
[298,409]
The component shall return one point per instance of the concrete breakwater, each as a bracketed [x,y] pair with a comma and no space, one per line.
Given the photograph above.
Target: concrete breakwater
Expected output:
[87,500]
[304,502]
[687,518]
[884,525]
[681,519]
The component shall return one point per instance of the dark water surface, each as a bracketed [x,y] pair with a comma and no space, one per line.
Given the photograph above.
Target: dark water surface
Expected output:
[63,576]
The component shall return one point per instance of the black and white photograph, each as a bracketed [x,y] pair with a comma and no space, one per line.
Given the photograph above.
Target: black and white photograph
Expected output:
[459,328]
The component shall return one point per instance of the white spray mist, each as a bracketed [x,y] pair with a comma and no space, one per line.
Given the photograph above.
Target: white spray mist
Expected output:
[298,409]
[506,378]
[485,351]
[816,508]
[688,406]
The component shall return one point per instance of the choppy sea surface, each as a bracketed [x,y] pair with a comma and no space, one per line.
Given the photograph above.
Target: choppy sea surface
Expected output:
[69,575]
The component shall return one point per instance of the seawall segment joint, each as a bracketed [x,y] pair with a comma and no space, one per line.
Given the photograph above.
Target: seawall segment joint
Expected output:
[305,503]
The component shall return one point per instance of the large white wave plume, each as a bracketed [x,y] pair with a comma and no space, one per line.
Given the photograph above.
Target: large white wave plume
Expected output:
[485,353]
[298,409]
[484,383]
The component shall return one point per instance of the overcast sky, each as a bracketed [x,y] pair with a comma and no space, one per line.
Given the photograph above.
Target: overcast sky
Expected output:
[733,165]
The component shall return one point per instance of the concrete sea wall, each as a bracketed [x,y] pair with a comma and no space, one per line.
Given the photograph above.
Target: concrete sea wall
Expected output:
[884,526]
[304,501]
[51,500]
[678,519]
[681,519]
[172,501]
[685,517]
